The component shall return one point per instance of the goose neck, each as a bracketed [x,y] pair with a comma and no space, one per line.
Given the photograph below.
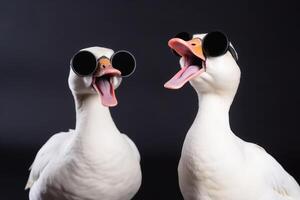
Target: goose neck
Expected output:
[92,116]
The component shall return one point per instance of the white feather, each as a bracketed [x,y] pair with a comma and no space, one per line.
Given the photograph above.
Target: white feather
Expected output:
[48,151]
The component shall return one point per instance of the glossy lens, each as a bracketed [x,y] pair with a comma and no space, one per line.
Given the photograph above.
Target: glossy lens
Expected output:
[124,61]
[215,44]
[84,63]
[184,36]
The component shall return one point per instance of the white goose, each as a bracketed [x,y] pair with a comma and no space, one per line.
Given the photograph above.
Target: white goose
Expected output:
[215,164]
[94,161]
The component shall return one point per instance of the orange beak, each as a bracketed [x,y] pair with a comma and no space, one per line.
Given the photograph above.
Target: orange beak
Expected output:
[193,56]
[185,48]
[105,67]
[103,83]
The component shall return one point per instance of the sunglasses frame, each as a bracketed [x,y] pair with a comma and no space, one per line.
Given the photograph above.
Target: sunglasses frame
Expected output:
[134,60]
[97,60]
[228,48]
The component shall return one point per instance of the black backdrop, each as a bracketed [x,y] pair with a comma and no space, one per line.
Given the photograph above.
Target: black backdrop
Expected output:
[38,38]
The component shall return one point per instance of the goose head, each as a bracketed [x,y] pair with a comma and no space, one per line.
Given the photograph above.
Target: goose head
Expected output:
[99,71]
[207,61]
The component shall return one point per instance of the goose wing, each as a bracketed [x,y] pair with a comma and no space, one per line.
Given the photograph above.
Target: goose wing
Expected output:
[281,184]
[48,151]
[133,147]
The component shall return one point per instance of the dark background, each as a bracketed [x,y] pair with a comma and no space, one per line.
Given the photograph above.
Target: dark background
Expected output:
[37,40]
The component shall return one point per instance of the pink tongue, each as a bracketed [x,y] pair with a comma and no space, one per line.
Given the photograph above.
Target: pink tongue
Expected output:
[107,93]
[183,76]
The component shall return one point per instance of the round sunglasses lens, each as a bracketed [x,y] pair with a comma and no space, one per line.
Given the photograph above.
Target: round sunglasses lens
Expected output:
[184,36]
[84,63]
[124,62]
[215,44]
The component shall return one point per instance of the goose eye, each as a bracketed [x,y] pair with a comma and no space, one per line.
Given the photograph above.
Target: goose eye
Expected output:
[124,61]
[215,44]
[84,63]
[184,36]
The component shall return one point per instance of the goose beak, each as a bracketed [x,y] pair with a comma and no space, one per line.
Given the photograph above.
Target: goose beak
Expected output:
[105,81]
[193,57]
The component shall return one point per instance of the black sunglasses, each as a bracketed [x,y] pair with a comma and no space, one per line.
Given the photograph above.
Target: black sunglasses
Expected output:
[84,63]
[214,44]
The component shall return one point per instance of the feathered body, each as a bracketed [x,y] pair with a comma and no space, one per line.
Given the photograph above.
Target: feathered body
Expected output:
[215,164]
[94,161]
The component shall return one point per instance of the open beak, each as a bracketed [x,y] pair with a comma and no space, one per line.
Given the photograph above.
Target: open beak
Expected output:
[104,82]
[193,58]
